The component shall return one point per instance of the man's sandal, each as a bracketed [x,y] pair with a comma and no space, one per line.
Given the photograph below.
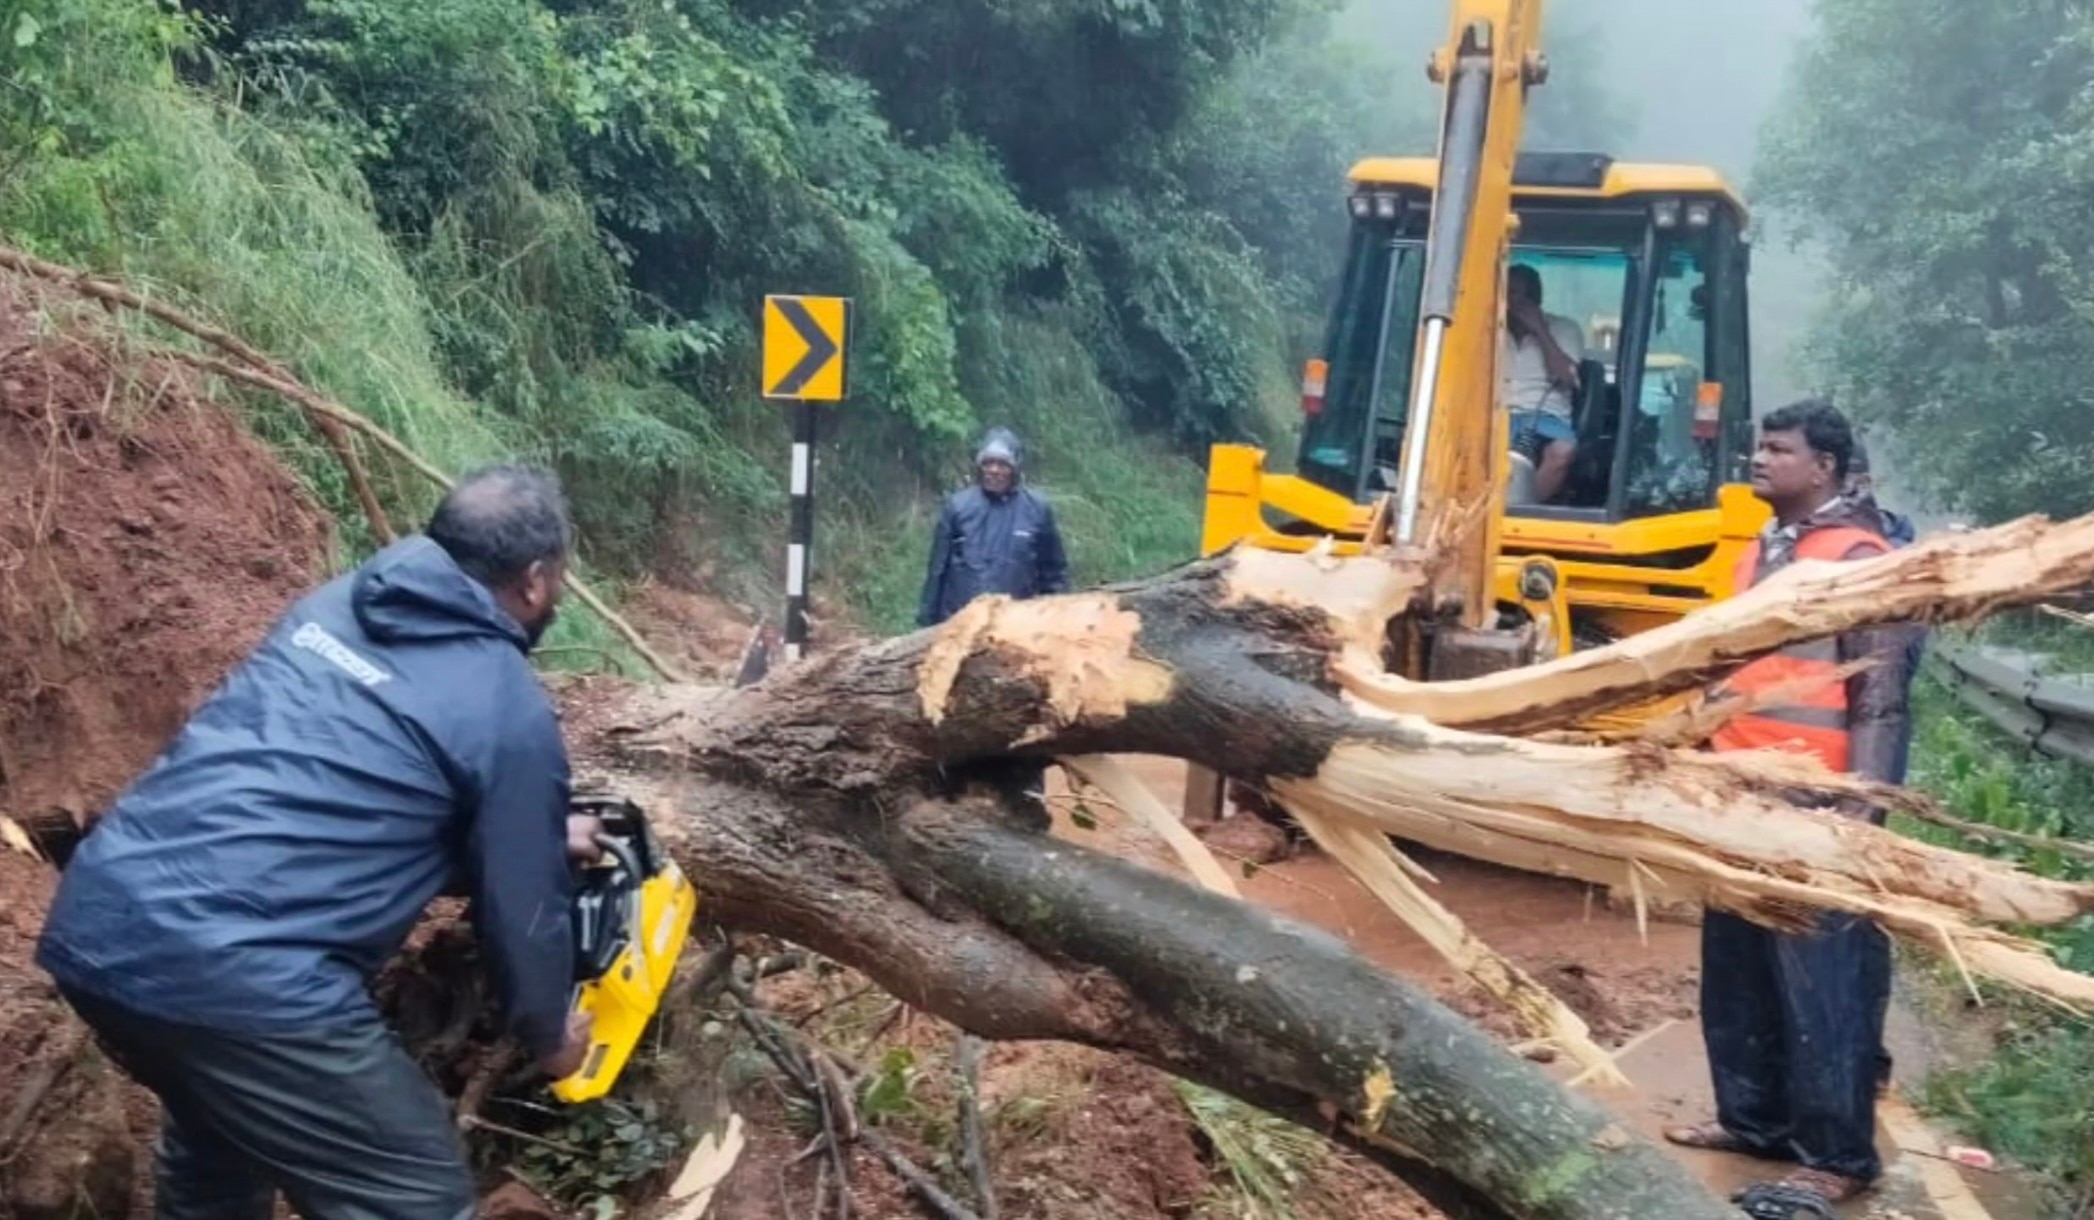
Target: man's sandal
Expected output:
[1807,1194]
[1771,1201]
[1715,1137]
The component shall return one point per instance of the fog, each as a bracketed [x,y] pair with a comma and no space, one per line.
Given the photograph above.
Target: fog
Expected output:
[1656,80]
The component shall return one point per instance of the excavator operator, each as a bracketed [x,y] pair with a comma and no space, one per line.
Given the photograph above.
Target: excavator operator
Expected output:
[1539,355]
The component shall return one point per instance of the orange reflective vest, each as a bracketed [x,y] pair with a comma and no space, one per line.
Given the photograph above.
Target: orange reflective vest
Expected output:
[1813,718]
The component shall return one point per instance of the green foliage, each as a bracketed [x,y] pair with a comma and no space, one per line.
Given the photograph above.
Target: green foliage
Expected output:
[2032,1102]
[1126,504]
[1196,329]
[230,219]
[889,1090]
[1986,778]
[520,228]
[2030,1099]
[591,1159]
[1939,155]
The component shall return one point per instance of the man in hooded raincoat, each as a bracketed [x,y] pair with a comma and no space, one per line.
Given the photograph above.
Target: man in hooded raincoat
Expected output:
[997,536]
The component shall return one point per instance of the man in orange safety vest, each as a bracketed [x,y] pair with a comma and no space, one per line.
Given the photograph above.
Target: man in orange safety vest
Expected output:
[1793,1022]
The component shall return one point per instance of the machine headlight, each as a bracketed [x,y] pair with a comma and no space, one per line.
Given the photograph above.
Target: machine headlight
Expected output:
[1665,213]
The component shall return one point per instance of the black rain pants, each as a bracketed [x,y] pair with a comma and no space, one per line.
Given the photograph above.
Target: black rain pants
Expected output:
[340,1120]
[1793,1024]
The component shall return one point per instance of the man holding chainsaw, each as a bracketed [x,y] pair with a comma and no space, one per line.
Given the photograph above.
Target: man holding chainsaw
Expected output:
[219,928]
[1793,1022]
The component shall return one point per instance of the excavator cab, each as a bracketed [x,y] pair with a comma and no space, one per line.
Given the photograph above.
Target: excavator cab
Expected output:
[1646,267]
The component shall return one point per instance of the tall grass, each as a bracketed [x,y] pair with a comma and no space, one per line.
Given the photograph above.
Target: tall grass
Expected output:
[237,223]
[1266,1158]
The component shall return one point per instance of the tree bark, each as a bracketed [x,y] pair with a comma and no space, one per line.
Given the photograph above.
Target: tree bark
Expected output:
[872,804]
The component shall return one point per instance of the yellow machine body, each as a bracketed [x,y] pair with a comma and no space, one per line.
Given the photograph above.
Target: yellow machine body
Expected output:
[1415,335]
[654,906]
[1404,425]
[1598,576]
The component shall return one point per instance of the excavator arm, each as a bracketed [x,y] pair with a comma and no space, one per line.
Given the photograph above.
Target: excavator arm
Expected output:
[1455,443]
[1454,451]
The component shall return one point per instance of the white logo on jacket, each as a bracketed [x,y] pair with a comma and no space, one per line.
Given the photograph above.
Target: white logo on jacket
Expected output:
[320,642]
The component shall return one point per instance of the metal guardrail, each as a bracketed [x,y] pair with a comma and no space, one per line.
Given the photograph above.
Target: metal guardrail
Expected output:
[2053,713]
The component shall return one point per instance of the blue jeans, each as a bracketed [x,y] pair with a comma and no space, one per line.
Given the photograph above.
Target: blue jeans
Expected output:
[1535,431]
[1793,1025]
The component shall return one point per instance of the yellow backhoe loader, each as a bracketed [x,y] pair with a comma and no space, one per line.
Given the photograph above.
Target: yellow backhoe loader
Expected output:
[1406,433]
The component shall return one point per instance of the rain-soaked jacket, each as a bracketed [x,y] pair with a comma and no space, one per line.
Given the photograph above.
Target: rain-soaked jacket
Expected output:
[386,741]
[1005,544]
[1900,532]
[1877,714]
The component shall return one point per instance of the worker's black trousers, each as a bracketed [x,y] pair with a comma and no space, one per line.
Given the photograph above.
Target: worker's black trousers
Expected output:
[341,1120]
[1794,1027]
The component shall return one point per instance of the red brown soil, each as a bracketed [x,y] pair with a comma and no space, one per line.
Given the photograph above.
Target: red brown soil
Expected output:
[1587,951]
[146,541]
[699,634]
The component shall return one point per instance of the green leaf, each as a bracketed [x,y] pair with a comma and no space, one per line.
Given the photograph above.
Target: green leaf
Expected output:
[27,27]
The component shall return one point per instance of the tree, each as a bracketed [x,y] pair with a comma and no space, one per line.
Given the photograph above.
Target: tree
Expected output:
[1939,156]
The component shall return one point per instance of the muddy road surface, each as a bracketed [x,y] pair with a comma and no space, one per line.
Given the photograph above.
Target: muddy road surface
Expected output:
[1636,987]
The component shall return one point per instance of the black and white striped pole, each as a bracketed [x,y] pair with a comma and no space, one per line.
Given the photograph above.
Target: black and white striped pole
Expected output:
[800,542]
[805,350]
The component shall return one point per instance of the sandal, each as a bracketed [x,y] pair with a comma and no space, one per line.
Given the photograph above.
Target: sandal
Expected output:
[1806,1194]
[1715,1137]
[1835,1188]
[1771,1201]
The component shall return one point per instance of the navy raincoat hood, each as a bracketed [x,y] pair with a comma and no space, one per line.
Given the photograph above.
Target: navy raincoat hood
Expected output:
[386,742]
[1001,444]
[985,543]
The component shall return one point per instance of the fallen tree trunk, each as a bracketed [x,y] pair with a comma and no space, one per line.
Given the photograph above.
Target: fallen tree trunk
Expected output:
[870,803]
[965,911]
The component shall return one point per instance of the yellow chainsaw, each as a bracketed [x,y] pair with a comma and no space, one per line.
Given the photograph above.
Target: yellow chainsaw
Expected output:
[632,914]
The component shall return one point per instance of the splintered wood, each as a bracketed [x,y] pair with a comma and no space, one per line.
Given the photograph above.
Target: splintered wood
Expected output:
[1664,823]
[1952,577]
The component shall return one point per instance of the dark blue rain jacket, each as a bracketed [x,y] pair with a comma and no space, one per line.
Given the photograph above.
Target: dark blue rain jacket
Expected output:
[1005,544]
[1897,528]
[386,741]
